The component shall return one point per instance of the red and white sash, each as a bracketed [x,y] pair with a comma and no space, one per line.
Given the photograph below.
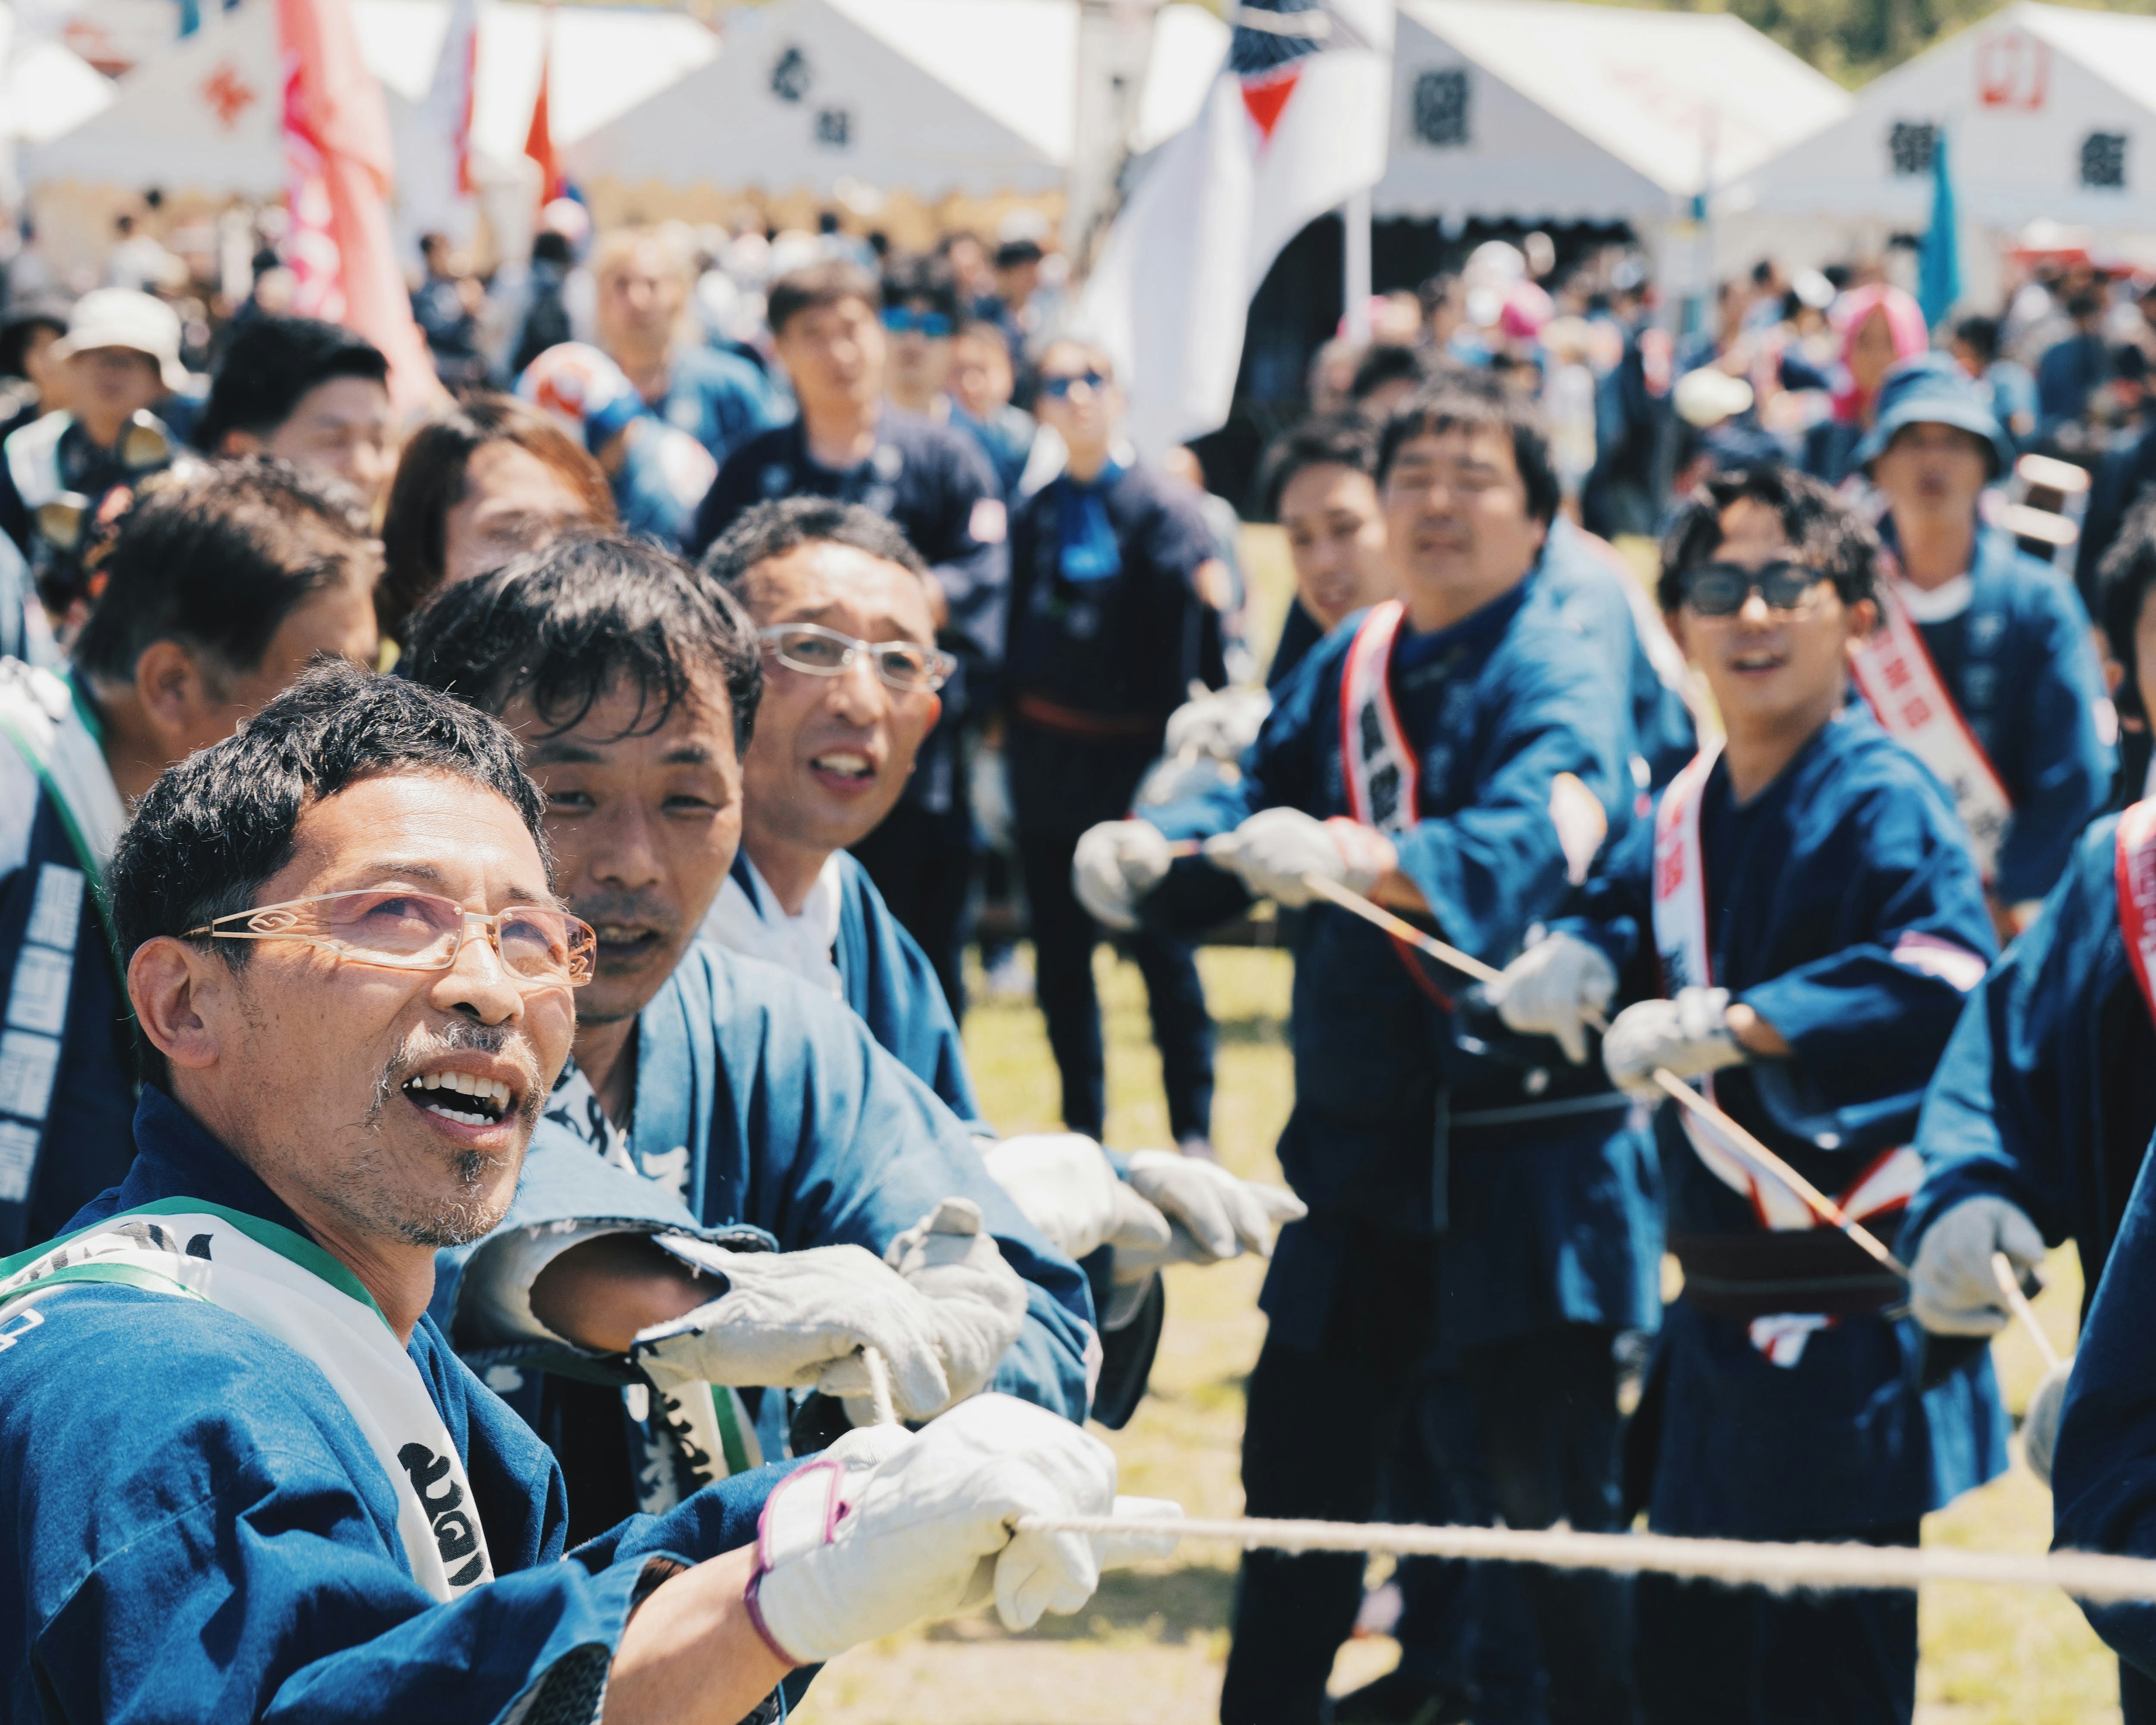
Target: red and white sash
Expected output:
[1889,1181]
[1895,672]
[1378,760]
[2136,894]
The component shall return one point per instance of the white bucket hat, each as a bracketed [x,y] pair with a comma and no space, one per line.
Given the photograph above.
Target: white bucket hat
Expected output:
[122,317]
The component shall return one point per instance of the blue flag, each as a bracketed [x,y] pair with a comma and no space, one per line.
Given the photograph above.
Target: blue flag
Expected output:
[1938,262]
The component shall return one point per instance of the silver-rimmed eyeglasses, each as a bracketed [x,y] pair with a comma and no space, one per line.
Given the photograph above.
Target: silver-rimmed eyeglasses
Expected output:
[907,665]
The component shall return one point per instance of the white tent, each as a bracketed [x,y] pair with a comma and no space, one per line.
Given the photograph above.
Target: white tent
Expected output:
[927,96]
[1548,111]
[203,116]
[2050,114]
[45,87]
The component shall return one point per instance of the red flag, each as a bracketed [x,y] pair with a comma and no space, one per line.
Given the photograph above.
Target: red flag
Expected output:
[539,140]
[339,172]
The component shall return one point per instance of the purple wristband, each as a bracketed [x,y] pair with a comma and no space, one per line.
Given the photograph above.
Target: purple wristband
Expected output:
[755,1604]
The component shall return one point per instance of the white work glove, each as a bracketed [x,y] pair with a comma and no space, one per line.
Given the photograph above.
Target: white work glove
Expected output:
[1069,1189]
[1951,1291]
[1219,725]
[2039,1425]
[1553,989]
[848,1548]
[1272,851]
[1689,1036]
[796,1319]
[1117,864]
[976,1306]
[1216,1216]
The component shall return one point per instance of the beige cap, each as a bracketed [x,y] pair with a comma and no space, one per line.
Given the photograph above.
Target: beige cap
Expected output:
[122,317]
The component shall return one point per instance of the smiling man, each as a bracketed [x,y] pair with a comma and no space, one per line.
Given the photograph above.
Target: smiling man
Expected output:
[298,1504]
[748,1106]
[1809,897]
[1415,755]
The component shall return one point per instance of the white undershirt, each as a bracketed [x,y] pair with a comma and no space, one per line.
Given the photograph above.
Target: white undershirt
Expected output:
[1935,604]
[758,927]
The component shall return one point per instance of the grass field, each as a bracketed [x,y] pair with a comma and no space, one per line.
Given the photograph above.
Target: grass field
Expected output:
[1148,1650]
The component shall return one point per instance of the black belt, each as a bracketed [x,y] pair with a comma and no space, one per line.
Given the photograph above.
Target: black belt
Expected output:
[1806,1270]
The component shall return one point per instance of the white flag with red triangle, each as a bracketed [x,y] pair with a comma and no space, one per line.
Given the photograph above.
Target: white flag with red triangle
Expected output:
[1296,124]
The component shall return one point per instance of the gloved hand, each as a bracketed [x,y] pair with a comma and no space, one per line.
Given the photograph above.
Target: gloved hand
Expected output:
[1069,1191]
[975,1307]
[1216,1215]
[1276,848]
[1552,989]
[1117,864]
[1951,1291]
[795,1319]
[1219,725]
[846,1552]
[2039,1425]
[1689,1036]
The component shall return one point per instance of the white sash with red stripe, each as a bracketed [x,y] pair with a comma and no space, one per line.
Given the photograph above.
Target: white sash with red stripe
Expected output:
[2136,894]
[1887,1183]
[1379,763]
[1895,672]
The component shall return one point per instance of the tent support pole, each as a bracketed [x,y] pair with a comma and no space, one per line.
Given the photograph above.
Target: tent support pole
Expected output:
[1355,273]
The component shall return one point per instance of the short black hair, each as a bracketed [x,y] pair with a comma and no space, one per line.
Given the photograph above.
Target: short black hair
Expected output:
[1980,335]
[214,827]
[1347,440]
[216,558]
[271,364]
[589,612]
[1387,362]
[1471,401]
[771,530]
[1827,533]
[2122,581]
[907,279]
[825,284]
[1012,253]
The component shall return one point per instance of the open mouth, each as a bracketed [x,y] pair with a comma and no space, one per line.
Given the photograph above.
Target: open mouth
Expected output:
[845,766]
[468,1098]
[1756,662]
[620,941]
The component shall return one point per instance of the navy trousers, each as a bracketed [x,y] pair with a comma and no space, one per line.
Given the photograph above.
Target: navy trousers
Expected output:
[1716,1656]
[1064,937]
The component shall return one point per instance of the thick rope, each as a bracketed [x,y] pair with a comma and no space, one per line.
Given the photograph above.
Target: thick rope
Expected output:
[1731,1562]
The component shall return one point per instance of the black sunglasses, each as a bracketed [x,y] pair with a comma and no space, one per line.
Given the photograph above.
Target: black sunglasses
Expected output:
[1721,590]
[1059,386]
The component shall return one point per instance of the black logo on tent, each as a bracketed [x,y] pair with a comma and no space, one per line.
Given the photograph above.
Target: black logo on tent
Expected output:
[2103,161]
[790,76]
[1440,109]
[1910,144]
[455,1536]
[834,128]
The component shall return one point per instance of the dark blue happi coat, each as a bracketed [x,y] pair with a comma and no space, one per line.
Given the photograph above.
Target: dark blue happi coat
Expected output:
[195,1528]
[1834,899]
[1537,1226]
[2046,1095]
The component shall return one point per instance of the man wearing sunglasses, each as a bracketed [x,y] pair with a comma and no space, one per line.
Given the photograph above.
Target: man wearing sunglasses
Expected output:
[355,986]
[219,587]
[851,445]
[847,698]
[743,1105]
[920,318]
[1807,895]
[1983,664]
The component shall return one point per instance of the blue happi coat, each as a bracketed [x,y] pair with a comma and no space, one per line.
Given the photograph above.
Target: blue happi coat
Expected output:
[1547,1223]
[760,1102]
[195,1527]
[2021,664]
[2046,1095]
[1842,906]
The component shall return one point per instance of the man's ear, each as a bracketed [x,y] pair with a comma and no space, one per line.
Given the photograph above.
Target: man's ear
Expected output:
[167,981]
[173,693]
[1863,619]
[236,442]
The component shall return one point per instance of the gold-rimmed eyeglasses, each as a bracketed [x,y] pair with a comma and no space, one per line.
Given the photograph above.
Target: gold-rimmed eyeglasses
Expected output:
[399,929]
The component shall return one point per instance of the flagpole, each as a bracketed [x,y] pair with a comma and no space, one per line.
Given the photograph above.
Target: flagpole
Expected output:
[1355,273]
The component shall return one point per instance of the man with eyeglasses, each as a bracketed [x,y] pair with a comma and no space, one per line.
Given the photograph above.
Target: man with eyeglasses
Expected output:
[252,1481]
[1483,1229]
[1809,896]
[846,701]
[713,1102]
[219,587]
[851,445]
[1982,664]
